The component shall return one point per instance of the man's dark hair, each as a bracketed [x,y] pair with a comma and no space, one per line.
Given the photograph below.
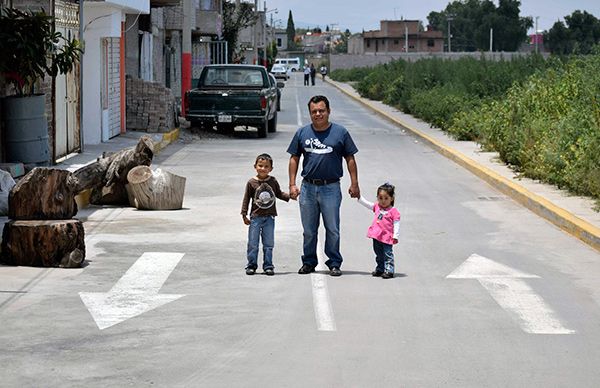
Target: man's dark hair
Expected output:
[317,99]
[266,157]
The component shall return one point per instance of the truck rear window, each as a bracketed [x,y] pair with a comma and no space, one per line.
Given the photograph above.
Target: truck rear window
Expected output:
[231,77]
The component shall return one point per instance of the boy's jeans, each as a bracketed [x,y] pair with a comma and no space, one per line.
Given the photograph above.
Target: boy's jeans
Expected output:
[316,201]
[384,256]
[262,228]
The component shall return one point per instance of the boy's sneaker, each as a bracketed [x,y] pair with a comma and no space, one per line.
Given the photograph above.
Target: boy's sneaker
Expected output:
[269,272]
[387,275]
[335,271]
[250,271]
[377,273]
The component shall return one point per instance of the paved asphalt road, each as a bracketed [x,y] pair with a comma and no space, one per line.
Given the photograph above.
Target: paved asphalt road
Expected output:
[486,295]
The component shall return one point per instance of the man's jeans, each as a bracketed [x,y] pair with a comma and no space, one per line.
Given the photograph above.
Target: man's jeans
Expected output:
[317,201]
[263,228]
[384,256]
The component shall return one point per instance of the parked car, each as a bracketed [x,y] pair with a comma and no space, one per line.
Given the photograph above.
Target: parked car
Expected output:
[279,85]
[281,71]
[232,95]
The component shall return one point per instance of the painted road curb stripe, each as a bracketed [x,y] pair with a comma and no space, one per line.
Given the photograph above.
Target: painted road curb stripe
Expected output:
[565,220]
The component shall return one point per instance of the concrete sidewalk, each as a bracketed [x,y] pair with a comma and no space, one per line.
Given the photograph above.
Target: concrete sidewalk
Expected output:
[573,214]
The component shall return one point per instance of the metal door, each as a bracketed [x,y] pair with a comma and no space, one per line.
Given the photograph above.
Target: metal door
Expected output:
[66,102]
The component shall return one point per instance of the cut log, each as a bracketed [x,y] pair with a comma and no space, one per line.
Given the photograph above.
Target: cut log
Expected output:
[155,190]
[52,243]
[107,176]
[43,194]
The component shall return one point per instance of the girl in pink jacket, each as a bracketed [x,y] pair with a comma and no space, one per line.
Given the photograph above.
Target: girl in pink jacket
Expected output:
[384,230]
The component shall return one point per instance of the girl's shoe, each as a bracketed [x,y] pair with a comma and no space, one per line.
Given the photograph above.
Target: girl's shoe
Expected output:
[269,272]
[377,273]
[387,275]
[250,271]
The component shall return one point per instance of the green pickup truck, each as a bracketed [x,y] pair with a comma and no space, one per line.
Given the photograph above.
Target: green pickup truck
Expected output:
[234,95]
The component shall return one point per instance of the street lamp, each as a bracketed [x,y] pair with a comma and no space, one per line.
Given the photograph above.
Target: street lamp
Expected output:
[449,18]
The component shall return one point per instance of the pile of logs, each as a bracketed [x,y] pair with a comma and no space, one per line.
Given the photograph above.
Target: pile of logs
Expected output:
[42,230]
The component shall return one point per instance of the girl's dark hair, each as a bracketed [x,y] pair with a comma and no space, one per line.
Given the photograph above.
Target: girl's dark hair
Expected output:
[266,157]
[389,189]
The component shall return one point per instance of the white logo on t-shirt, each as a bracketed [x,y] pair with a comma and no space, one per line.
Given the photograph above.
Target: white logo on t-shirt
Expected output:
[316,147]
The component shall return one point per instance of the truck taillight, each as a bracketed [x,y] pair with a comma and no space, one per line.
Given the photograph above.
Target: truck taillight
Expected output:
[263,102]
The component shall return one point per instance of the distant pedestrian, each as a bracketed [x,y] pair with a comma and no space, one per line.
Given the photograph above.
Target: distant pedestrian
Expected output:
[323,71]
[306,75]
[384,230]
[262,190]
[313,74]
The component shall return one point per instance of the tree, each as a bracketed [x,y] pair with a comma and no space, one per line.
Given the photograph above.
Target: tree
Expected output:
[582,33]
[235,20]
[291,32]
[471,20]
[342,45]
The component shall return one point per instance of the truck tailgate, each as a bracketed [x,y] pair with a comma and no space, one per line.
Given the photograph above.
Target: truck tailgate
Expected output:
[230,101]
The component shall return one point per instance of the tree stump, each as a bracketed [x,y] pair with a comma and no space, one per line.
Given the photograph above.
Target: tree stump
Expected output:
[51,243]
[155,190]
[107,176]
[42,194]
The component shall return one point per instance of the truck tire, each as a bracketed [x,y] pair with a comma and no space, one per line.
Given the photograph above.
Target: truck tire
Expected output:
[263,129]
[273,123]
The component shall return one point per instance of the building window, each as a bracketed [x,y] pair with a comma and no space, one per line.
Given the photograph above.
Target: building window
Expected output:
[279,43]
[430,43]
[368,42]
[396,41]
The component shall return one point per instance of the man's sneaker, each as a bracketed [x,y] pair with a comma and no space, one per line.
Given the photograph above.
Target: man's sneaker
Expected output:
[269,272]
[306,269]
[250,271]
[335,271]
[387,275]
[377,273]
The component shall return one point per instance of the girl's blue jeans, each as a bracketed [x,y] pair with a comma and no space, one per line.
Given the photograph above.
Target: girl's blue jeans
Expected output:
[261,228]
[384,256]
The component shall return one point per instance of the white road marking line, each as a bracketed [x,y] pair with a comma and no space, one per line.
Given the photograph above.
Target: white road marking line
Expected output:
[321,300]
[512,294]
[298,111]
[136,292]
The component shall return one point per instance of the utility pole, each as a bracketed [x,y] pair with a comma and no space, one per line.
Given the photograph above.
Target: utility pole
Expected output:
[186,52]
[536,35]
[405,37]
[449,18]
[491,39]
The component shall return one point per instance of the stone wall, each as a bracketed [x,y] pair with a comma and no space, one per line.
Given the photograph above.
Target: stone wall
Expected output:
[150,106]
[349,61]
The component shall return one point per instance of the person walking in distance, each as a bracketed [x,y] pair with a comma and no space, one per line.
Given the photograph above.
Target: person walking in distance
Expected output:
[313,74]
[323,71]
[384,229]
[306,75]
[322,145]
[262,190]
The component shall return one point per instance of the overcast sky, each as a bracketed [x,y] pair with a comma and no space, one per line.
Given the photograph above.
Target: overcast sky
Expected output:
[357,15]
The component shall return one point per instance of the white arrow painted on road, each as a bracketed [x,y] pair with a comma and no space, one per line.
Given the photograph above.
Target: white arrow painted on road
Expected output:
[136,292]
[512,294]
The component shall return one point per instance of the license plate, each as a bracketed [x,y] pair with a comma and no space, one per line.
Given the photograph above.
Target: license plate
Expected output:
[224,118]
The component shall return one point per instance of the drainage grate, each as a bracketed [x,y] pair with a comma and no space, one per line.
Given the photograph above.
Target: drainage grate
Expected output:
[486,198]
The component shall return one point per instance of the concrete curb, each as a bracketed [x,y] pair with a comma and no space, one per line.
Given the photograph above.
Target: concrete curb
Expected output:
[565,220]
[83,199]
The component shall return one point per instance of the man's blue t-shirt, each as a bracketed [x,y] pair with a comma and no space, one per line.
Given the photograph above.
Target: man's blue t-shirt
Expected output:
[323,151]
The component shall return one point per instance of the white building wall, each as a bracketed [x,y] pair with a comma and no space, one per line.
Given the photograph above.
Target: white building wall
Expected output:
[100,21]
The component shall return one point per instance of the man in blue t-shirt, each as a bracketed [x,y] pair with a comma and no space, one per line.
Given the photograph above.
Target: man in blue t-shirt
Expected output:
[323,145]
